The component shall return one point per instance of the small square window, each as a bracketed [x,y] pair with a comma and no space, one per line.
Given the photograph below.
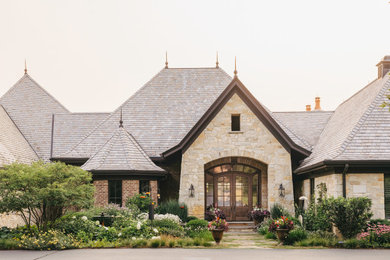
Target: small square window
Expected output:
[236,123]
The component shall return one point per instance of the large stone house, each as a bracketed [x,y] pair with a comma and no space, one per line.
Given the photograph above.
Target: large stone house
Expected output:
[198,135]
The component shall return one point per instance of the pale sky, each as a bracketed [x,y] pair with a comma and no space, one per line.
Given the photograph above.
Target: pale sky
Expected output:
[93,55]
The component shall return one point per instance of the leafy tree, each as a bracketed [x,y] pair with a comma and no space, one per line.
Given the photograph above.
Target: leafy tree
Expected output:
[42,192]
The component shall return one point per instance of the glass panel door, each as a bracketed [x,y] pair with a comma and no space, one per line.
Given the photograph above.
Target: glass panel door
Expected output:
[242,196]
[224,194]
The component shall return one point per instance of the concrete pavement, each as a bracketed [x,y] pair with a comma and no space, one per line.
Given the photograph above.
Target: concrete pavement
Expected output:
[198,254]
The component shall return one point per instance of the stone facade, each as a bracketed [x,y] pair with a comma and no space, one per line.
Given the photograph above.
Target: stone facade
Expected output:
[368,185]
[253,141]
[11,220]
[357,185]
[101,192]
[129,189]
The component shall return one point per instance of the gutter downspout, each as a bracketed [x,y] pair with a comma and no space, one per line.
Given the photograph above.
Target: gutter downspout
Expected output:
[344,180]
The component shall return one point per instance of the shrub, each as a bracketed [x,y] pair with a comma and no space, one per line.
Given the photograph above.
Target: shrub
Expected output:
[169,227]
[175,208]
[8,244]
[72,224]
[277,211]
[376,233]
[316,217]
[50,240]
[295,235]
[142,201]
[270,235]
[197,225]
[350,215]
[189,218]
[154,243]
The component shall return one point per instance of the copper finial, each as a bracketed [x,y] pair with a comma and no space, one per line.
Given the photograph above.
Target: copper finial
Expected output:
[25,66]
[166,60]
[121,120]
[217,63]
[235,67]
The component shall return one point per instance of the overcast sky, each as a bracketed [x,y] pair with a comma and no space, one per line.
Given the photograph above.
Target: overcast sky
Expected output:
[92,55]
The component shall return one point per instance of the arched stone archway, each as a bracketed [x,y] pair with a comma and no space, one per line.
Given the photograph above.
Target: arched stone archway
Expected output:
[236,185]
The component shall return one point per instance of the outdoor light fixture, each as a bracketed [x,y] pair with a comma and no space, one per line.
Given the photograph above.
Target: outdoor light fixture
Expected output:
[282,190]
[192,189]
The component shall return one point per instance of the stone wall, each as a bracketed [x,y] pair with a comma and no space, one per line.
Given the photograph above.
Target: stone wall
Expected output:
[11,220]
[334,184]
[368,185]
[129,189]
[101,192]
[253,141]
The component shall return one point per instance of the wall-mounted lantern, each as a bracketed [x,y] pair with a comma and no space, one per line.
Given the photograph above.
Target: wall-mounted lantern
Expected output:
[192,190]
[282,191]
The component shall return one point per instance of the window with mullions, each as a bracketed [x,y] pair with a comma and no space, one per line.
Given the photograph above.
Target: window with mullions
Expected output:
[115,192]
[144,186]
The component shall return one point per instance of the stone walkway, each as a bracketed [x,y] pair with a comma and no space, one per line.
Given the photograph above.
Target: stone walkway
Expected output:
[246,238]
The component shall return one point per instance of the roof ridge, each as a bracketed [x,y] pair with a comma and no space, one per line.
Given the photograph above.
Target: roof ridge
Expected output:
[313,111]
[363,118]
[360,90]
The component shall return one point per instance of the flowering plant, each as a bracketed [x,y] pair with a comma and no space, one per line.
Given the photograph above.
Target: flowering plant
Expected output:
[376,233]
[213,213]
[218,224]
[281,223]
[259,214]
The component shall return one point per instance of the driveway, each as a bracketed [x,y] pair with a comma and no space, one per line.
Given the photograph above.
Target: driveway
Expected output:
[198,254]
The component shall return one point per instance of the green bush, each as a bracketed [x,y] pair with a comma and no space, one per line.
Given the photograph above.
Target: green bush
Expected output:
[198,229]
[316,217]
[277,211]
[168,227]
[350,215]
[175,208]
[8,244]
[74,223]
[295,235]
[197,225]
[270,235]
[189,218]
[50,240]
[142,201]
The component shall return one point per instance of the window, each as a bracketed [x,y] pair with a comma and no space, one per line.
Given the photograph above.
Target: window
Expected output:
[312,188]
[236,123]
[144,186]
[115,192]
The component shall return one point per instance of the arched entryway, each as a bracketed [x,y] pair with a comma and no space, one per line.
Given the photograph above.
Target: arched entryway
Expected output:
[236,185]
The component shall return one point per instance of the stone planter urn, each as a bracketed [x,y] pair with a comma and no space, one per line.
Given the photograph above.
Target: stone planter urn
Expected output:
[282,234]
[217,235]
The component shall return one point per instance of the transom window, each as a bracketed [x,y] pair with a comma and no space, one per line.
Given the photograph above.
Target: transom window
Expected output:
[236,123]
[235,168]
[115,192]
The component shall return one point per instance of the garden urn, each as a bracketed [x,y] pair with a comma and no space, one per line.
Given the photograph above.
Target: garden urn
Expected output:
[217,235]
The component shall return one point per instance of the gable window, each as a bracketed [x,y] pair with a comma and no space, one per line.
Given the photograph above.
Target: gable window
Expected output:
[144,186]
[115,192]
[236,123]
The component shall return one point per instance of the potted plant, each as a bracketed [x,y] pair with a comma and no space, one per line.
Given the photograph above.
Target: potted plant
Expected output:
[213,212]
[258,215]
[281,227]
[217,227]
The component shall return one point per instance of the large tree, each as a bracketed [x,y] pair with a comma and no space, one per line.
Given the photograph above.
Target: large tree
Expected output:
[42,192]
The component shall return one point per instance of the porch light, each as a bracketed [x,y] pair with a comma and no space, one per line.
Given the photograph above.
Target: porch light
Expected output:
[191,189]
[282,191]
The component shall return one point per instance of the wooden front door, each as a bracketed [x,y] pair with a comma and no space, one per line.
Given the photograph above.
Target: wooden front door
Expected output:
[234,194]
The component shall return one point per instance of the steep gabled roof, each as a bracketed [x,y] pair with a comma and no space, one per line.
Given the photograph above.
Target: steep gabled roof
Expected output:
[358,129]
[162,112]
[32,108]
[13,145]
[70,128]
[121,153]
[308,125]
[286,137]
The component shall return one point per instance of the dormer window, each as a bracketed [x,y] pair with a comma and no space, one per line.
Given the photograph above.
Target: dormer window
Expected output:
[236,127]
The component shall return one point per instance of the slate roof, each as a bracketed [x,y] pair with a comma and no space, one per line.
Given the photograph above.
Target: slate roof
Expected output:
[308,125]
[32,108]
[121,153]
[162,112]
[71,128]
[359,129]
[13,145]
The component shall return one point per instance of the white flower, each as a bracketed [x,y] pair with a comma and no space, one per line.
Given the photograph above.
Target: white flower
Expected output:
[106,228]
[84,218]
[139,224]
[155,230]
[97,222]
[133,238]
[120,234]
[158,237]
[167,216]
[74,217]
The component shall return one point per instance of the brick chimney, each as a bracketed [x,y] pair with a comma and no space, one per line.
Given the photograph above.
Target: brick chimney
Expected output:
[318,104]
[383,67]
[308,108]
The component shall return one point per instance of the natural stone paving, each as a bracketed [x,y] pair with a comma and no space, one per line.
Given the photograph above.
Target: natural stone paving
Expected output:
[246,239]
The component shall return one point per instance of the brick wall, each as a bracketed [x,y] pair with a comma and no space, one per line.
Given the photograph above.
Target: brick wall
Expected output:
[129,189]
[101,192]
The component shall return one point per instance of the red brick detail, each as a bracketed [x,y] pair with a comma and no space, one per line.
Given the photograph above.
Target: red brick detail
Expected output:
[101,193]
[154,191]
[129,189]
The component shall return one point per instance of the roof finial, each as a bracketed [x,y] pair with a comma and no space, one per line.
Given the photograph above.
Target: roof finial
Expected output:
[121,120]
[25,66]
[217,63]
[166,60]
[235,67]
